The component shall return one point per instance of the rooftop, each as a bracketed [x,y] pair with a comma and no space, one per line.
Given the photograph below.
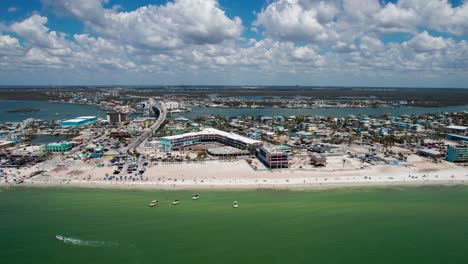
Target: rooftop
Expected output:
[214,131]
[458,127]
[458,136]
[273,149]
[181,119]
[430,151]
[75,120]
[59,143]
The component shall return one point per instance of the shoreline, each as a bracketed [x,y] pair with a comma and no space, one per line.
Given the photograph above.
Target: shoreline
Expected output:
[292,187]
[221,185]
[240,175]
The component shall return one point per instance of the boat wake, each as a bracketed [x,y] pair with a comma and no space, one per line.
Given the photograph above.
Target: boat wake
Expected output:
[88,243]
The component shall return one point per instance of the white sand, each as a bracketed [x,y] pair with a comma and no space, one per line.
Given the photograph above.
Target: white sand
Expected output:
[239,174]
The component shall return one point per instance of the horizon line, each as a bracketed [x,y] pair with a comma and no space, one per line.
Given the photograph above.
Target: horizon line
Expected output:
[2,86]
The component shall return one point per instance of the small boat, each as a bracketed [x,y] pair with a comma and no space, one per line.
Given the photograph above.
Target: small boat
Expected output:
[60,238]
[154,203]
[175,202]
[195,197]
[235,204]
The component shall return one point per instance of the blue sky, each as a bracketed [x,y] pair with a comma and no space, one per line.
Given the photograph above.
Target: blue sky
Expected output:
[243,8]
[420,43]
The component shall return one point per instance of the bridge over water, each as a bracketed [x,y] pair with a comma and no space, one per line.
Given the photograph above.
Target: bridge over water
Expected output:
[159,111]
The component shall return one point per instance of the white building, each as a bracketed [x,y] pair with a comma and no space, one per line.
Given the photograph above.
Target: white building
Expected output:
[171,105]
[143,105]
[115,93]
[209,135]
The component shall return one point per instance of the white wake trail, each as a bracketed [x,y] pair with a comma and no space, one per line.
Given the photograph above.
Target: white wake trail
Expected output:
[88,243]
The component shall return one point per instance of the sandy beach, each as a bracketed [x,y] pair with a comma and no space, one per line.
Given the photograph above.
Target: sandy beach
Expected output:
[240,175]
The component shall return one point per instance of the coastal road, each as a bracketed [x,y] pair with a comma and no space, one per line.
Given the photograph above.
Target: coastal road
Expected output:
[131,148]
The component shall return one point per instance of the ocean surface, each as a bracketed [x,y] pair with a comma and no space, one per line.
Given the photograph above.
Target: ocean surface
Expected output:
[48,111]
[60,111]
[46,139]
[373,225]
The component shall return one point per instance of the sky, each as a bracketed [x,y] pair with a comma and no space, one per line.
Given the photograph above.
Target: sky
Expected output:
[392,43]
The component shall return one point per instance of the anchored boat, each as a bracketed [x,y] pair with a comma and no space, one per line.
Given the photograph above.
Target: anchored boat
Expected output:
[195,197]
[154,203]
[175,202]
[235,204]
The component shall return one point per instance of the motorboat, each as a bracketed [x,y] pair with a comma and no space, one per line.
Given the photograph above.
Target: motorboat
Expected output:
[195,197]
[60,238]
[235,204]
[175,202]
[154,203]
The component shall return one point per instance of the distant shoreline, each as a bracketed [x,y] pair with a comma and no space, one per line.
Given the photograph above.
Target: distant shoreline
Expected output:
[417,97]
[368,107]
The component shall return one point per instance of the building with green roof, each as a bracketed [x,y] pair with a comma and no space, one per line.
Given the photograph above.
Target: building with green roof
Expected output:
[59,147]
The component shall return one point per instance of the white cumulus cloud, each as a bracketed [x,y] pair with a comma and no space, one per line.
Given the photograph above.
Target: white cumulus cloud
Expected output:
[197,42]
[157,27]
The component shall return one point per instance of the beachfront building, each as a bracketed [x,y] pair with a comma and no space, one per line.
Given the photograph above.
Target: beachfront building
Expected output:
[59,147]
[209,135]
[457,153]
[456,137]
[432,153]
[318,161]
[272,156]
[79,121]
[459,130]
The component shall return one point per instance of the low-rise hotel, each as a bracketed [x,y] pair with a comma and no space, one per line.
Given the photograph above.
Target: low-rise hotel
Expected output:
[273,157]
[457,153]
[209,135]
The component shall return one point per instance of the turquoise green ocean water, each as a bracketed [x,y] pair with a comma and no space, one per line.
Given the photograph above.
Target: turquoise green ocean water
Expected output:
[394,225]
